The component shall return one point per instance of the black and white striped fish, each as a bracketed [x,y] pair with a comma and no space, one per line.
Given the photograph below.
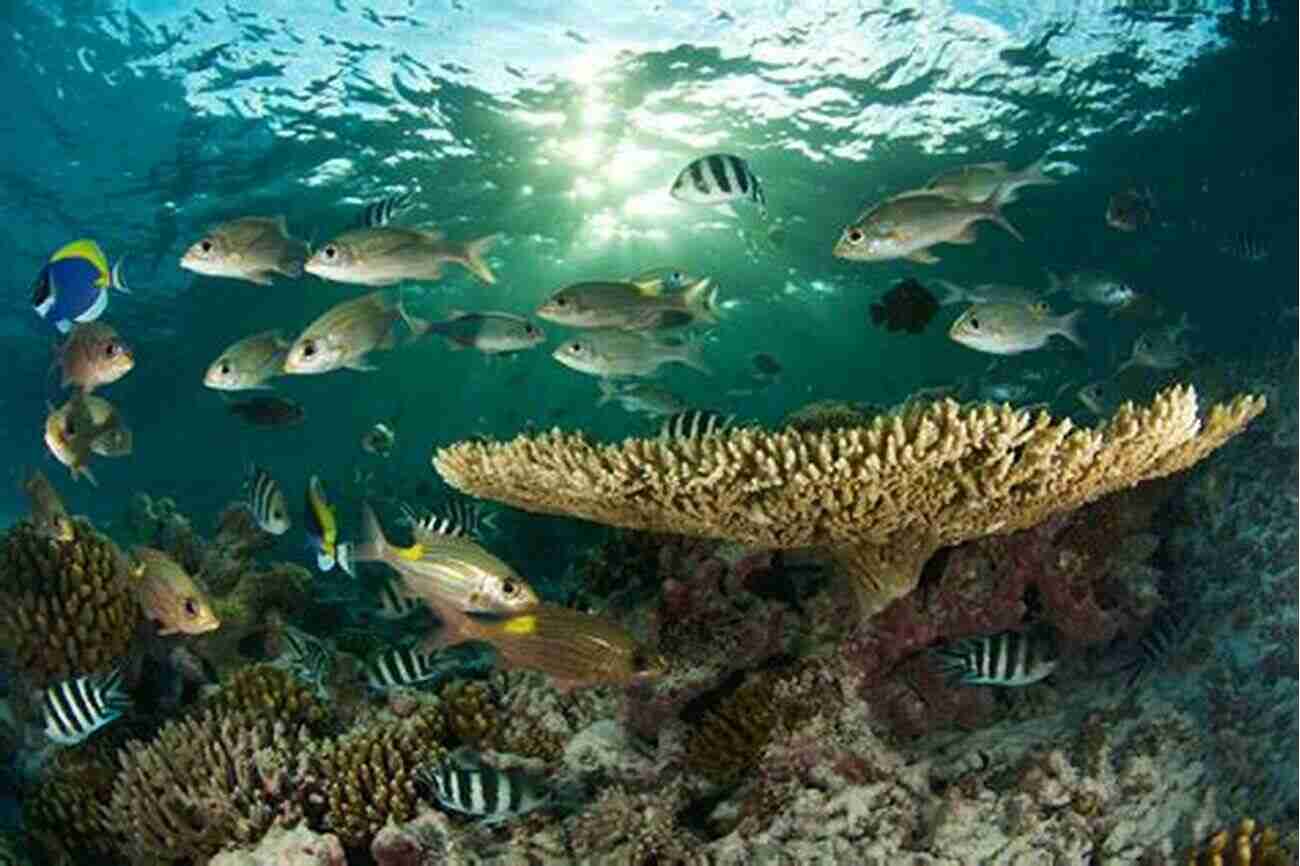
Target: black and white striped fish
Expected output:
[463,783]
[76,708]
[394,604]
[458,518]
[717,179]
[266,501]
[307,658]
[406,667]
[1247,245]
[1009,658]
[382,212]
[694,424]
[1169,627]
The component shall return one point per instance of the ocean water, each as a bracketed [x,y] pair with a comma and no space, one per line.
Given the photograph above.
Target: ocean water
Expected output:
[142,123]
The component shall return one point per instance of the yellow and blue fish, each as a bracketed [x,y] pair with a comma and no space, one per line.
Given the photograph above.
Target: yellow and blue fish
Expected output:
[73,285]
[323,531]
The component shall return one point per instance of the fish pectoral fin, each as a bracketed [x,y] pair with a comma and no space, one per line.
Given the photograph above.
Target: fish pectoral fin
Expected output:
[965,236]
[922,256]
[360,365]
[262,278]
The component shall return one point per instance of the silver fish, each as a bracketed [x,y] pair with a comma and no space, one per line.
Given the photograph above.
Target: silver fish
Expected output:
[630,306]
[1008,329]
[1161,349]
[615,353]
[1094,287]
[645,397]
[387,255]
[907,225]
[488,332]
[975,183]
[248,248]
[987,293]
[248,363]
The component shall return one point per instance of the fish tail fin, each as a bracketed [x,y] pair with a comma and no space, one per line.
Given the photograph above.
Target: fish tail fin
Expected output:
[115,278]
[702,300]
[373,544]
[608,391]
[343,556]
[952,293]
[419,327]
[474,252]
[991,210]
[1068,327]
[691,354]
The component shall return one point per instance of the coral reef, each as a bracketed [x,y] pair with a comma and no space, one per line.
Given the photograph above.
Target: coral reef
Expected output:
[635,828]
[251,607]
[884,497]
[471,717]
[534,720]
[66,609]
[1247,844]
[823,415]
[281,847]
[64,813]
[273,695]
[216,780]
[426,839]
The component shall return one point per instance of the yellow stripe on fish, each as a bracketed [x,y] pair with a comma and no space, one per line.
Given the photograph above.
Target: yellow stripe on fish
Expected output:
[87,249]
[520,625]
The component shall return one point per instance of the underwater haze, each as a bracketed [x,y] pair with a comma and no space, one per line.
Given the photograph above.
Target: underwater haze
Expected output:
[561,127]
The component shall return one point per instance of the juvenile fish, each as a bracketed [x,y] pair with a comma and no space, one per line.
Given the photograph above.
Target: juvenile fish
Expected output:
[643,397]
[266,502]
[323,530]
[907,225]
[488,332]
[464,784]
[387,255]
[379,440]
[170,597]
[988,293]
[766,366]
[719,178]
[48,516]
[406,667]
[695,424]
[575,649]
[630,306]
[94,355]
[268,412]
[1008,329]
[347,333]
[614,353]
[1009,658]
[248,248]
[249,363]
[451,573]
[76,708]
[1094,287]
[977,182]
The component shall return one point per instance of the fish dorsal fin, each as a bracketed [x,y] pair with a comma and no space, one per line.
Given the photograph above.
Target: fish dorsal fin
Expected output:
[84,248]
[466,758]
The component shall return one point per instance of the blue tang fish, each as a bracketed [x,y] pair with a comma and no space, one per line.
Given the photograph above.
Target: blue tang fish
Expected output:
[73,286]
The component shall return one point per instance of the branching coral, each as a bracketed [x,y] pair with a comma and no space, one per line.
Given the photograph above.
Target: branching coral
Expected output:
[66,609]
[65,812]
[636,829]
[274,695]
[883,496]
[1247,844]
[218,780]
[830,415]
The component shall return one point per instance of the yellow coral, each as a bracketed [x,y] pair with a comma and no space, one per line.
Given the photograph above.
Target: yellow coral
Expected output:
[1246,845]
[883,497]
[274,694]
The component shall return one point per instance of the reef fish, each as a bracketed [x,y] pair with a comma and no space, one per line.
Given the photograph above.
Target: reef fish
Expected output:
[384,211]
[323,530]
[663,278]
[248,363]
[269,412]
[170,597]
[979,181]
[987,293]
[452,573]
[1248,245]
[71,432]
[1130,210]
[266,502]
[1162,348]
[648,398]
[630,306]
[488,332]
[1094,287]
[463,783]
[116,440]
[94,355]
[907,225]
[48,516]
[694,424]
[396,602]
[908,306]
[347,333]
[73,285]
[617,354]
[1009,658]
[379,440]
[76,708]
[1009,329]
[249,248]
[719,178]
[406,667]
[387,255]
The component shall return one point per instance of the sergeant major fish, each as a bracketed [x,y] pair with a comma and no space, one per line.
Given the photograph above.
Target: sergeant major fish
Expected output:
[347,333]
[1008,329]
[406,667]
[323,531]
[94,355]
[907,225]
[488,332]
[719,178]
[1010,658]
[249,248]
[170,597]
[694,424]
[384,211]
[73,285]
[266,502]
[630,306]
[980,181]
[465,784]
[248,363]
[387,255]
[614,353]
[76,708]
[48,516]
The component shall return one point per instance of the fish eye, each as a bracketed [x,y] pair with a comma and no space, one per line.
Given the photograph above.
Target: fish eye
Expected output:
[509,587]
[110,350]
[974,323]
[191,609]
[528,329]
[205,245]
[561,301]
[854,236]
[308,349]
[330,251]
[576,348]
[225,368]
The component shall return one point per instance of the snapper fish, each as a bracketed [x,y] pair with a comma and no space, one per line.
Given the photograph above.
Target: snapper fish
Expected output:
[644,397]
[1009,329]
[631,306]
[76,708]
[73,285]
[94,355]
[346,334]
[266,502]
[249,363]
[463,783]
[488,332]
[48,515]
[909,224]
[719,178]
[982,180]
[1009,658]
[613,353]
[387,255]
[323,531]
[170,597]
[249,248]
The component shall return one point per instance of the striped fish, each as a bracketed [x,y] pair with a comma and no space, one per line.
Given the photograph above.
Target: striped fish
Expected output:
[1169,627]
[382,212]
[394,603]
[405,667]
[459,519]
[307,658]
[694,424]
[1009,658]
[717,179]
[462,783]
[266,502]
[1247,245]
[76,708]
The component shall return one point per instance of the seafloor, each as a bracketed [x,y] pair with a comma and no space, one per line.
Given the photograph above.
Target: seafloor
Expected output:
[783,734]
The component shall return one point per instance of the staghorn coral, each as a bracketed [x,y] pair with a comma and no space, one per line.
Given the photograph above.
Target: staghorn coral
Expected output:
[65,812]
[1247,844]
[274,695]
[217,780]
[370,773]
[883,497]
[66,609]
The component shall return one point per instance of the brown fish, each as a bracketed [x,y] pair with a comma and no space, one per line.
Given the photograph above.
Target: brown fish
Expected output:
[170,597]
[70,431]
[94,355]
[346,333]
[116,440]
[248,248]
[49,518]
[269,413]
[576,649]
